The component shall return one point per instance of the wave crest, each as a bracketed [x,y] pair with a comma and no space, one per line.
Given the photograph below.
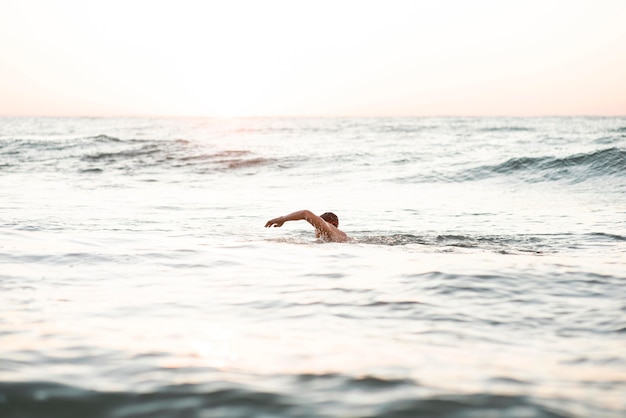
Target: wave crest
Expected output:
[576,168]
[521,244]
[104,153]
[235,400]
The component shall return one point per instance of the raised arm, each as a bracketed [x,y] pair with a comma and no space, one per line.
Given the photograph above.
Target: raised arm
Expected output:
[325,230]
[307,215]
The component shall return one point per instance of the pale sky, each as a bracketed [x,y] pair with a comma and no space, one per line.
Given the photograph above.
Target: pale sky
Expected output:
[312,58]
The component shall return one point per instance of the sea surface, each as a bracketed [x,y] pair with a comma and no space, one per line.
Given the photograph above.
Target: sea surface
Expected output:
[485,276]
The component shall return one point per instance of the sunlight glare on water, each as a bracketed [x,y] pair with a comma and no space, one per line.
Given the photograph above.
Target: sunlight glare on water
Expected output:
[485,271]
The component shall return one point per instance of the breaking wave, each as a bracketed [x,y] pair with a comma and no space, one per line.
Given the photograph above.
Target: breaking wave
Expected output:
[576,168]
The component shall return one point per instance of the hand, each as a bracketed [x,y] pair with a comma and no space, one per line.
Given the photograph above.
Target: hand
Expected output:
[276,222]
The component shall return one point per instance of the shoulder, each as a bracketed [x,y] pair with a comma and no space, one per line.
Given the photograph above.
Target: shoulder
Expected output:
[313,219]
[332,234]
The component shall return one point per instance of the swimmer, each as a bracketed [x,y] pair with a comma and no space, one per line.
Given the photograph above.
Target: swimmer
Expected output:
[326,225]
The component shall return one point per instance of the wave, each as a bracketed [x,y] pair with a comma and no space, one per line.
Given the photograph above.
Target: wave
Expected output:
[115,156]
[308,397]
[105,138]
[506,129]
[44,399]
[392,240]
[404,128]
[608,237]
[575,168]
[103,153]
[525,244]
[503,244]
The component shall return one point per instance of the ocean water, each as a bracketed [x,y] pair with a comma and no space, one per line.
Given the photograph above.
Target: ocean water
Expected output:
[486,275]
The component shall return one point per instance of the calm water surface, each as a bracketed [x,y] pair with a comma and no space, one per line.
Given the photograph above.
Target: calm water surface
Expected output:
[485,277]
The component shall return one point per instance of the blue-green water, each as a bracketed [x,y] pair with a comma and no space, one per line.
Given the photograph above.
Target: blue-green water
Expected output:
[485,276]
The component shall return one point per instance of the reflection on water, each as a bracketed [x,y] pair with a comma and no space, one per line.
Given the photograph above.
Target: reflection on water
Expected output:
[137,279]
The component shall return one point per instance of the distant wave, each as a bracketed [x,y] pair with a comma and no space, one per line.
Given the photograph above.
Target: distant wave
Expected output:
[404,128]
[506,129]
[578,167]
[104,153]
[120,155]
[608,237]
[575,168]
[106,138]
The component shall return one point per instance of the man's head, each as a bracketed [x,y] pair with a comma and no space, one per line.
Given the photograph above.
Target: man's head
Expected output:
[331,218]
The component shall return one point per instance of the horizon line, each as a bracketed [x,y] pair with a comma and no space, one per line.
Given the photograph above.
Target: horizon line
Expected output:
[304,116]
